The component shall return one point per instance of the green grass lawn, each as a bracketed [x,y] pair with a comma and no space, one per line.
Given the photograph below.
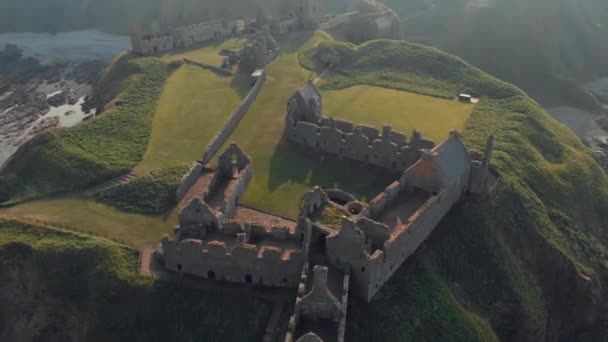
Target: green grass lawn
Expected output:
[209,53]
[97,218]
[282,172]
[404,111]
[194,105]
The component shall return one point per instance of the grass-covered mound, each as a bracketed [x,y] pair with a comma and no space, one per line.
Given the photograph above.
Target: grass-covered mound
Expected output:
[404,66]
[527,263]
[111,144]
[153,193]
[56,285]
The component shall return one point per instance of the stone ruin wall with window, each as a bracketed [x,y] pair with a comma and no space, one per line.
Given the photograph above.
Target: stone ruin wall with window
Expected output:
[210,244]
[305,125]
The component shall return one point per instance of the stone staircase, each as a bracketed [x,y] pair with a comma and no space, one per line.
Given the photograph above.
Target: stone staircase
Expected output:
[114,182]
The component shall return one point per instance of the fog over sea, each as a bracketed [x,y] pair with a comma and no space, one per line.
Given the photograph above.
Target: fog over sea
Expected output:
[71,46]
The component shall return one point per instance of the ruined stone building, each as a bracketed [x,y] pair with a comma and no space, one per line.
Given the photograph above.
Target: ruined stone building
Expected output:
[182,37]
[306,125]
[217,238]
[367,20]
[283,16]
[290,15]
[258,51]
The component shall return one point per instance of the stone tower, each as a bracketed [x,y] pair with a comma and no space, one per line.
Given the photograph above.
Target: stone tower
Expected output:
[136,43]
[310,12]
[487,158]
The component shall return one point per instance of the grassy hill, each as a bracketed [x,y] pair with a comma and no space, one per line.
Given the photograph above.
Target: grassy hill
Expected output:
[536,45]
[58,285]
[111,144]
[501,267]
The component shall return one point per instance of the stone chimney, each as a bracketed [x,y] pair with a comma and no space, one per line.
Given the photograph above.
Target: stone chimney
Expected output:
[487,159]
[319,278]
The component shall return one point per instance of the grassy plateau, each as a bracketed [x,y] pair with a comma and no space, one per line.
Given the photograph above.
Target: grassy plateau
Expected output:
[406,112]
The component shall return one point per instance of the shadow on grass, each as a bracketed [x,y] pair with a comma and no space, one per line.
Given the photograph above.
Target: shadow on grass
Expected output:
[297,164]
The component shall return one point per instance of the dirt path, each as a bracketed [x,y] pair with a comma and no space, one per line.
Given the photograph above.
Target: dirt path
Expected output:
[145,258]
[112,183]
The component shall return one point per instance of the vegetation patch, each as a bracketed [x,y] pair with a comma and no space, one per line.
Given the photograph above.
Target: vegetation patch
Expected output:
[329,215]
[151,194]
[90,288]
[417,306]
[111,144]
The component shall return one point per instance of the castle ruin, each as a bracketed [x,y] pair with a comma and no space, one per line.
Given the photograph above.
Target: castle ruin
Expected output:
[182,37]
[219,239]
[287,17]
[216,240]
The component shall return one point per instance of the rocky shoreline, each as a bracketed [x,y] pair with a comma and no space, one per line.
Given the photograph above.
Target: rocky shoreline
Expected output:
[35,97]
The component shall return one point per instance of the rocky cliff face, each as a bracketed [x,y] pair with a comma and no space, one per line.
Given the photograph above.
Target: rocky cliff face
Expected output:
[31,311]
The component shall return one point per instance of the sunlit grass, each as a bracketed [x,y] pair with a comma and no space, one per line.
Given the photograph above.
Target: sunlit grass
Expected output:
[194,105]
[96,218]
[404,111]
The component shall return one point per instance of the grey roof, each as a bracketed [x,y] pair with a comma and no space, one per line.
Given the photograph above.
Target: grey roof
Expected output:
[453,160]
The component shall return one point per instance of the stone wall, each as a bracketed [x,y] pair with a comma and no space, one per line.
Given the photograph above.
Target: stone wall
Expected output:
[363,143]
[188,180]
[231,254]
[306,125]
[218,70]
[234,119]
[235,192]
[374,251]
[156,44]
[338,20]
[183,37]
[317,303]
[379,203]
